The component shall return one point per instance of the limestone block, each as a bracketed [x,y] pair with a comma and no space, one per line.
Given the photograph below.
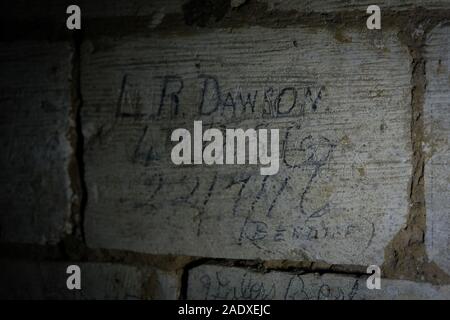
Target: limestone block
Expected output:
[343,111]
[34,125]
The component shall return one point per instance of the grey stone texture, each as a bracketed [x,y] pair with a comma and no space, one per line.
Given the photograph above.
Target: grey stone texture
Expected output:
[343,111]
[99,281]
[351,5]
[342,97]
[34,125]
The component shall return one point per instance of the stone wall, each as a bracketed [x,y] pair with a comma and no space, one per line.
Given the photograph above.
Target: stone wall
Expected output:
[87,177]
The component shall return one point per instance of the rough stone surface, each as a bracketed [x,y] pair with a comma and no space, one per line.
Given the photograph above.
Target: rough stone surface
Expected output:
[341,192]
[341,96]
[47,280]
[436,146]
[34,123]
[217,282]
[164,285]
[351,5]
[106,8]
[138,8]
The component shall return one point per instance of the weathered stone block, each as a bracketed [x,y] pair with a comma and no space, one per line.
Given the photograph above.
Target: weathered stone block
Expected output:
[350,5]
[217,282]
[34,124]
[47,280]
[436,146]
[138,8]
[56,9]
[343,111]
